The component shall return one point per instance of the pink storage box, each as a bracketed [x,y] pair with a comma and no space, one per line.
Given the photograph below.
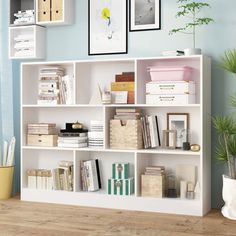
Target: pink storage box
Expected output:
[171,73]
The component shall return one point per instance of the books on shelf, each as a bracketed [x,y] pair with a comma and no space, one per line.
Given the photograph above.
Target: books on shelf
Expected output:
[90,175]
[63,176]
[42,128]
[150,131]
[125,114]
[24,17]
[54,86]
[154,170]
[96,134]
[73,137]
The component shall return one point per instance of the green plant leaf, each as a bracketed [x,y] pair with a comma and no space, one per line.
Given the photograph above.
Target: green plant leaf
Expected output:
[232,145]
[224,125]
[221,153]
[228,61]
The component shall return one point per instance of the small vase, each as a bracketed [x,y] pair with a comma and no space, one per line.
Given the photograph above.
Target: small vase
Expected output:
[192,51]
[229,196]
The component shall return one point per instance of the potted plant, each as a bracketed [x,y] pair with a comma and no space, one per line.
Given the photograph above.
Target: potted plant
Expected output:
[190,10]
[226,150]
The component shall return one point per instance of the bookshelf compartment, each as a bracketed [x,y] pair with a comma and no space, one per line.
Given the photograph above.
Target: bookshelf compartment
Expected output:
[143,75]
[59,116]
[20,5]
[31,75]
[91,74]
[171,163]
[106,159]
[42,159]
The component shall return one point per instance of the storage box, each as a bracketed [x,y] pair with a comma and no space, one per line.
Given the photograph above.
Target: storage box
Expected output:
[170,99]
[153,185]
[122,86]
[170,73]
[127,136]
[44,15]
[121,186]
[44,5]
[120,170]
[57,5]
[42,140]
[57,15]
[170,87]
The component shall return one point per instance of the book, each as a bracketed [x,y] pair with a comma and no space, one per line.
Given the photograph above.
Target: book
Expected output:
[128,110]
[122,86]
[129,77]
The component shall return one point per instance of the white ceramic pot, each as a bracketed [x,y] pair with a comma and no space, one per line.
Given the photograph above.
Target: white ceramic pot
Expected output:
[192,51]
[229,197]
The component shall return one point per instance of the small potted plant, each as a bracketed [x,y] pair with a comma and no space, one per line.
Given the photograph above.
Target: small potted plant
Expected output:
[226,150]
[190,10]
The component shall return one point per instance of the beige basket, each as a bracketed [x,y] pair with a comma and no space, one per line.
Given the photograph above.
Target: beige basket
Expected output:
[128,136]
[6,179]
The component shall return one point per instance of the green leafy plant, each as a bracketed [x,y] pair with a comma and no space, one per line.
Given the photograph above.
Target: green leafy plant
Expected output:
[191,9]
[226,125]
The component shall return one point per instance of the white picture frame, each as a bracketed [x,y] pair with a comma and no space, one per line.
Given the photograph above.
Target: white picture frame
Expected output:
[180,123]
[107,30]
[144,15]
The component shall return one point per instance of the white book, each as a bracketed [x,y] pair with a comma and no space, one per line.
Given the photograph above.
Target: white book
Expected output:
[72,145]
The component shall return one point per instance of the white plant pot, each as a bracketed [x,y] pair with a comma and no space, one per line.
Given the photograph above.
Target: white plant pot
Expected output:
[192,51]
[229,197]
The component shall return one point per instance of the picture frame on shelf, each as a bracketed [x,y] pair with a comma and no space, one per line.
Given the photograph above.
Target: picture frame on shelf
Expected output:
[169,139]
[107,27]
[180,123]
[144,15]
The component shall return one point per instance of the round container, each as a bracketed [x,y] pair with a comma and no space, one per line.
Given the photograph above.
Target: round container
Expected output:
[6,179]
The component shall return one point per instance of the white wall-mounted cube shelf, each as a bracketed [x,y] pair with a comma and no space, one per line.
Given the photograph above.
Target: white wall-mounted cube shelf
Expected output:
[87,74]
[27,42]
[54,12]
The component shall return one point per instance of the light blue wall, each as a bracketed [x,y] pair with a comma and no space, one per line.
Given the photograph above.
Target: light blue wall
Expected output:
[70,42]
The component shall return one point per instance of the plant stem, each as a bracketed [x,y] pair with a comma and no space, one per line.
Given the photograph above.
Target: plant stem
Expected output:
[194,30]
[228,157]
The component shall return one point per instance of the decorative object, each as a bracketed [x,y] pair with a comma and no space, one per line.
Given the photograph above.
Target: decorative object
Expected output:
[107,33]
[180,123]
[6,179]
[195,147]
[171,190]
[106,97]
[190,191]
[226,151]
[169,139]
[144,15]
[183,189]
[190,10]
[186,146]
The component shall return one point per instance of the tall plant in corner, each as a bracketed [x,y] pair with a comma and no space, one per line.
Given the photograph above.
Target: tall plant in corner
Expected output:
[191,10]
[226,149]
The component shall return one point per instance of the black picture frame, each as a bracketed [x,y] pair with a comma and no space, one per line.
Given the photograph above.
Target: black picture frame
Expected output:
[95,51]
[144,27]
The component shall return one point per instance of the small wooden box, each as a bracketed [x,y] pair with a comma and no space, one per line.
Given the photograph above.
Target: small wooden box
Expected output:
[42,140]
[57,5]
[128,136]
[44,5]
[153,185]
[44,15]
[57,15]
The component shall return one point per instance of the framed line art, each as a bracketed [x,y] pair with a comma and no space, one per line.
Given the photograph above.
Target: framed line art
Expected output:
[107,30]
[180,123]
[144,15]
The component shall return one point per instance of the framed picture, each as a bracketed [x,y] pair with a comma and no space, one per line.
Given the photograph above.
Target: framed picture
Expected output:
[107,31]
[144,15]
[180,123]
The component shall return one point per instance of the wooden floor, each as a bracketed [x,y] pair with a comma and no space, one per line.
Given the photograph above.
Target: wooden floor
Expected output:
[24,218]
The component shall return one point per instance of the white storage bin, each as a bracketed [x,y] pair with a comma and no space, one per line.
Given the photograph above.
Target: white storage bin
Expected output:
[170,87]
[170,99]
[170,73]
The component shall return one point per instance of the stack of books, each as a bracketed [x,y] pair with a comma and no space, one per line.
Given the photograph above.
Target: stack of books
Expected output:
[125,114]
[63,176]
[123,88]
[90,175]
[39,179]
[150,131]
[24,17]
[24,45]
[54,86]
[154,170]
[96,135]
[73,138]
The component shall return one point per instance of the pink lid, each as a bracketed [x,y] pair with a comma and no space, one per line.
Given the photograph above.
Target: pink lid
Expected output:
[181,68]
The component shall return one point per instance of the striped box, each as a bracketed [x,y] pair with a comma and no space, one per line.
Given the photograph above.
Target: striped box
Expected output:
[120,170]
[122,187]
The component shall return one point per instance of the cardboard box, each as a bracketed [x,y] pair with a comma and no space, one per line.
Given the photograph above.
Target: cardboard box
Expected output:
[123,187]
[120,170]
[152,186]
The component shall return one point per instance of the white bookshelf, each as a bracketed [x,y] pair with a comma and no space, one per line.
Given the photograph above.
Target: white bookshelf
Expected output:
[87,74]
[37,36]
